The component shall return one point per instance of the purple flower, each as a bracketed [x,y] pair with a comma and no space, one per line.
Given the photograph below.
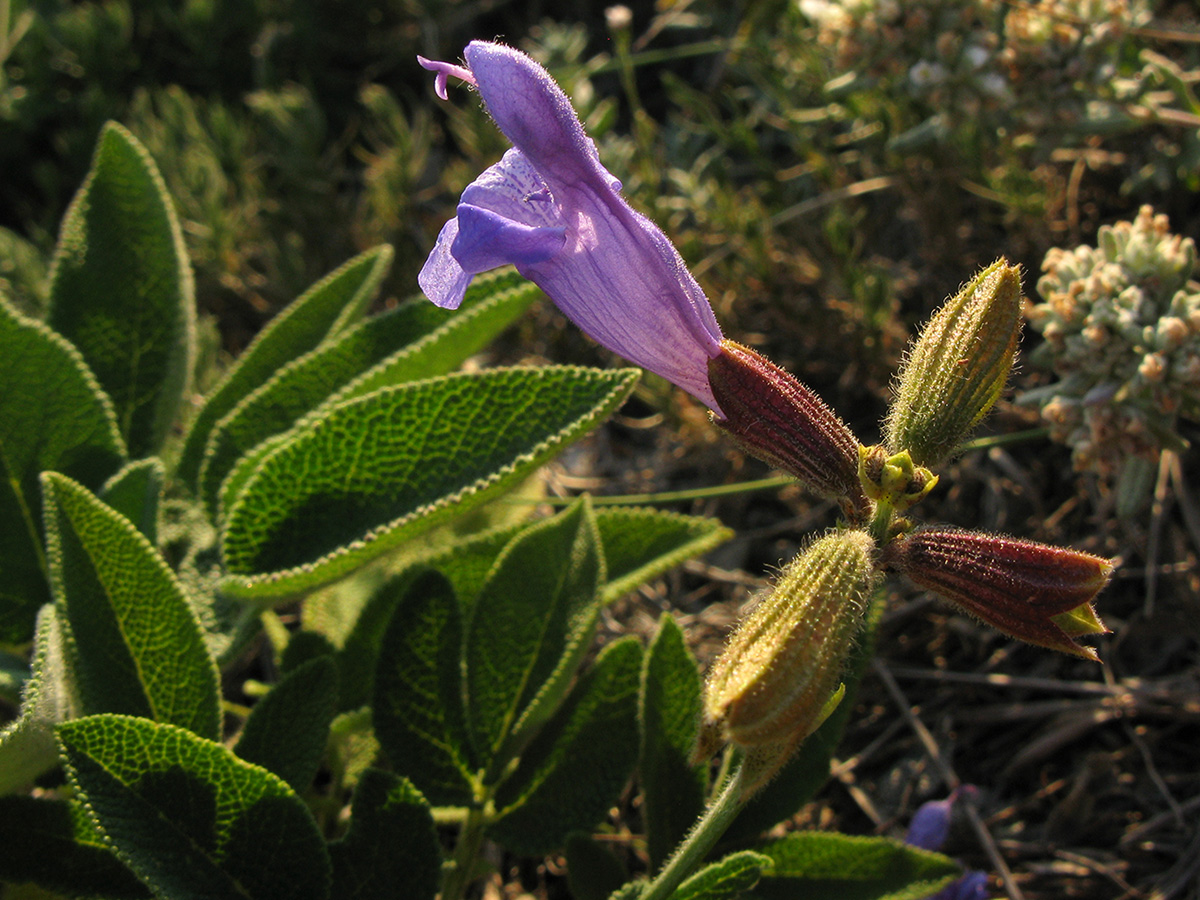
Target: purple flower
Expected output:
[928,830]
[551,209]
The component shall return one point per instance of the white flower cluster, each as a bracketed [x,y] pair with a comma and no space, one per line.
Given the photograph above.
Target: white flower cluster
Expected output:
[1122,330]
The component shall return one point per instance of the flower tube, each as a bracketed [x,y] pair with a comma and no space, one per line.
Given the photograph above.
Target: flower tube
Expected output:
[551,209]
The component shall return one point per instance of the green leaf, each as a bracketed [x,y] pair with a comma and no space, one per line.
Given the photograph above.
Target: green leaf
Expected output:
[136,492]
[303,383]
[418,708]
[799,780]
[22,273]
[136,644]
[303,646]
[820,865]
[575,769]
[529,628]
[378,470]
[287,729]
[391,849]
[325,309]
[593,871]
[47,843]
[121,289]
[669,711]
[190,818]
[726,879]
[414,341]
[27,745]
[53,417]
[490,306]
[641,543]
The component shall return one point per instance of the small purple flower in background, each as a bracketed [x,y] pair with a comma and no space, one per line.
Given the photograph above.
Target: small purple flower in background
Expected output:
[928,830]
[551,209]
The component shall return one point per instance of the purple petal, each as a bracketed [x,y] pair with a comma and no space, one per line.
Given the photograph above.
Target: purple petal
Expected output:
[972,886]
[442,278]
[534,113]
[487,240]
[513,189]
[930,824]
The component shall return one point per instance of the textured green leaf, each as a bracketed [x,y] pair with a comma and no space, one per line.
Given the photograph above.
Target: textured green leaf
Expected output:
[669,710]
[593,871]
[414,341]
[46,844]
[135,492]
[303,383]
[121,289]
[287,729]
[325,309]
[27,745]
[303,646]
[190,818]
[418,710]
[53,417]
[529,628]
[488,308]
[574,770]
[391,849]
[798,781]
[820,865]
[136,645]
[641,543]
[725,879]
[383,468]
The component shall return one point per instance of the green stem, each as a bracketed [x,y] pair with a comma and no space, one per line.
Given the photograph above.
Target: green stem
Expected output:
[466,853]
[881,521]
[720,490]
[708,830]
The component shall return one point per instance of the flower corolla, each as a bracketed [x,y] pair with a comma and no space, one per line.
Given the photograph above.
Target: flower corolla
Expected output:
[551,209]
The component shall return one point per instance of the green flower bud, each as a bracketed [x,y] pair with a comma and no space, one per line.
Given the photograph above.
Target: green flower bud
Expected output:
[774,416]
[958,366]
[781,669]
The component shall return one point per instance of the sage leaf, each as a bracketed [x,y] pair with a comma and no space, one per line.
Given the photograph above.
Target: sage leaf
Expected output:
[121,289]
[136,645]
[190,818]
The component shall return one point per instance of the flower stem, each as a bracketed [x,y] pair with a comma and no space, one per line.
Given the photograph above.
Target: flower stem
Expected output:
[706,832]
[466,854]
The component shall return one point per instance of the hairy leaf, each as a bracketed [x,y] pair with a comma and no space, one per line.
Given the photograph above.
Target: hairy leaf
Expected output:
[669,710]
[418,708]
[53,417]
[287,729]
[383,468]
[529,627]
[325,309]
[828,866]
[575,769]
[391,849]
[190,818]
[136,645]
[27,745]
[121,289]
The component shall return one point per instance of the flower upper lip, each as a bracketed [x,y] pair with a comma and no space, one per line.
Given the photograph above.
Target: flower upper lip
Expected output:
[552,209]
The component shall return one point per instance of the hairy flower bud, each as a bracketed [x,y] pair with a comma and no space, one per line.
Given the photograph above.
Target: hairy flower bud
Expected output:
[773,685]
[958,366]
[775,417]
[1033,592]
